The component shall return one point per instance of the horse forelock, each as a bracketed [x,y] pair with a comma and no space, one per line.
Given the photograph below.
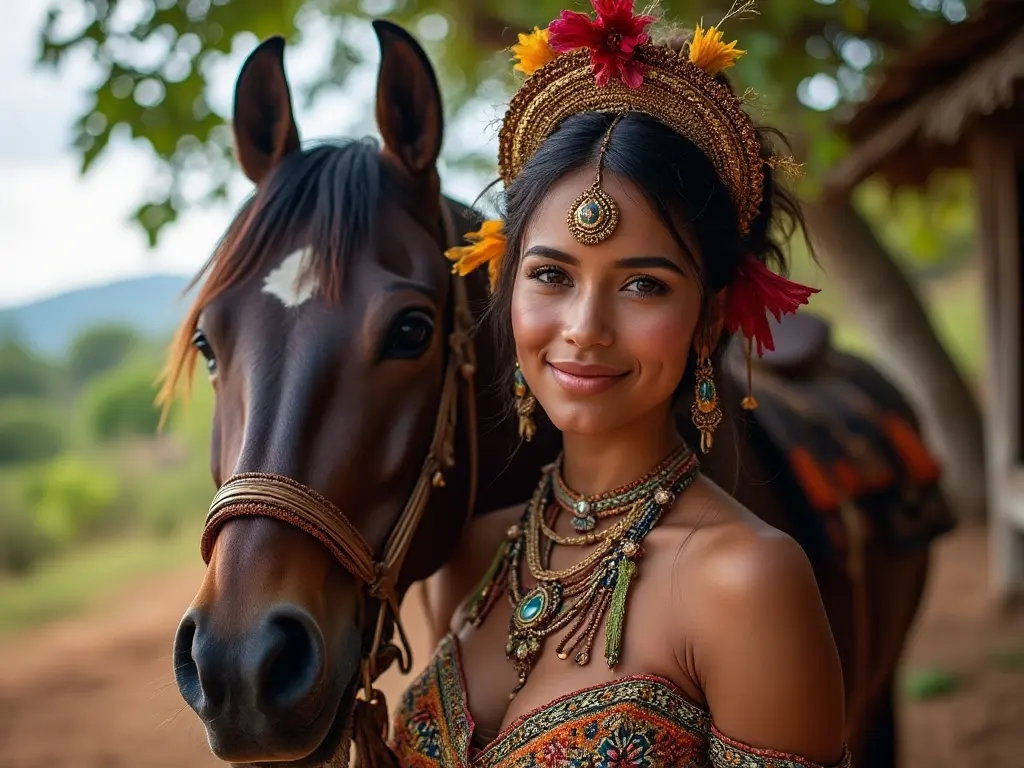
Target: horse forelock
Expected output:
[318,208]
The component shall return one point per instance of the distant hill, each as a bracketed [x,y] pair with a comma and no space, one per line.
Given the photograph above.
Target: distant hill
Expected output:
[152,305]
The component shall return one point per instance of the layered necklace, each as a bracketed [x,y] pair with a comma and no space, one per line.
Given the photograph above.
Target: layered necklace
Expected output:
[576,599]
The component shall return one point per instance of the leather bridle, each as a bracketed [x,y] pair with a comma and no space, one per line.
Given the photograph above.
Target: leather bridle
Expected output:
[284,499]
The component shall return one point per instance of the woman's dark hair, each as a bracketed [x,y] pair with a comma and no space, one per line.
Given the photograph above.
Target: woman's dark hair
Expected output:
[678,181]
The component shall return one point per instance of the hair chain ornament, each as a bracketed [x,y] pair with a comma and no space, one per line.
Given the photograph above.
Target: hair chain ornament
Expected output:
[594,215]
[576,599]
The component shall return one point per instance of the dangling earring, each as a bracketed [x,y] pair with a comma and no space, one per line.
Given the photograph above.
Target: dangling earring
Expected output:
[705,412]
[525,405]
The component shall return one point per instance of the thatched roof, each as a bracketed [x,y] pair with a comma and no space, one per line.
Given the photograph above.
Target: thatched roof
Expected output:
[923,104]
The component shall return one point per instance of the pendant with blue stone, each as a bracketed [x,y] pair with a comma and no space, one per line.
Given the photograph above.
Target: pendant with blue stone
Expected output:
[593,216]
[532,613]
[536,606]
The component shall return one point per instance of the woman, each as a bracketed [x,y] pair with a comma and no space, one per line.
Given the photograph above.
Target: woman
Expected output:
[635,614]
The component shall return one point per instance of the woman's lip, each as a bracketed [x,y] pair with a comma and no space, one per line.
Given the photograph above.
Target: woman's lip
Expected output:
[585,371]
[578,384]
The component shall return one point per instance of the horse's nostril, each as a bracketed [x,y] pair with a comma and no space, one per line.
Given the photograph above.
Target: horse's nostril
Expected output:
[186,672]
[289,658]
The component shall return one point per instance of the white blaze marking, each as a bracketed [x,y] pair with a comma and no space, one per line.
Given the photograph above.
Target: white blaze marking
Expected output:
[291,283]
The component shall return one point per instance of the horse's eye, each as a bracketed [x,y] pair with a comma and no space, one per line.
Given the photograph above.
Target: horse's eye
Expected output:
[200,342]
[409,335]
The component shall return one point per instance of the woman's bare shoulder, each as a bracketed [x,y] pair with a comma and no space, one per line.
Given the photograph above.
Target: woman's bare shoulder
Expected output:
[487,531]
[760,633]
[733,560]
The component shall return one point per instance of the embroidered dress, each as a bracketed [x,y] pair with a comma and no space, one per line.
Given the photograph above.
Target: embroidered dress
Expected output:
[638,721]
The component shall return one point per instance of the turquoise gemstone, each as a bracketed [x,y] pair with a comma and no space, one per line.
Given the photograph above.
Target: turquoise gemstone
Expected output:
[519,383]
[531,608]
[706,391]
[589,213]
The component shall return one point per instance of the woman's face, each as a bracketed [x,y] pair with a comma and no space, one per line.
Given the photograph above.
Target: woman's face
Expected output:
[602,332]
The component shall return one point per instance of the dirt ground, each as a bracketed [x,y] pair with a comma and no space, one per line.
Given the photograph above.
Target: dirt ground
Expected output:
[97,691]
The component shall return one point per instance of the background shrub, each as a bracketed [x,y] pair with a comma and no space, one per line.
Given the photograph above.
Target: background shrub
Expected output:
[30,430]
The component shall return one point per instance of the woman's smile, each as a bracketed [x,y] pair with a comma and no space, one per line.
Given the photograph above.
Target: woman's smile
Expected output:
[581,379]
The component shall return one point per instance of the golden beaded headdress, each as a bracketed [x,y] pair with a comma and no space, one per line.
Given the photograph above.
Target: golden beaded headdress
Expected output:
[608,64]
[673,89]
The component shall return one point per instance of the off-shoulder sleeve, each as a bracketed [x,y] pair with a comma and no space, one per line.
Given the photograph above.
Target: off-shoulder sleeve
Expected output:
[727,753]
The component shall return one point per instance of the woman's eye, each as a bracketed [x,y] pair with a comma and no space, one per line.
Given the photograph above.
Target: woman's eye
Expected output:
[647,286]
[550,276]
[202,344]
[409,335]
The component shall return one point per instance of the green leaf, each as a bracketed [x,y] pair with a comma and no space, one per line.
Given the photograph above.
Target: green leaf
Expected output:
[154,216]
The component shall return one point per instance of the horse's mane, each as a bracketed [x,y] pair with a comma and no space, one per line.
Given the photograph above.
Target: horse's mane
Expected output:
[326,197]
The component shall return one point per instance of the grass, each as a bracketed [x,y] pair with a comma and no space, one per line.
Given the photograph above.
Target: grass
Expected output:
[929,683]
[68,585]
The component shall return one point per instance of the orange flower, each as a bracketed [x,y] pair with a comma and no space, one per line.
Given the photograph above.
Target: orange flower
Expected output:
[708,52]
[487,246]
[532,51]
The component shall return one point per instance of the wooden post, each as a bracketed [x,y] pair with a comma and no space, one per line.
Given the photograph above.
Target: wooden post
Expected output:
[997,161]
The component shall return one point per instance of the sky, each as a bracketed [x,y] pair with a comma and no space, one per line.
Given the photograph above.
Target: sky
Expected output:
[60,230]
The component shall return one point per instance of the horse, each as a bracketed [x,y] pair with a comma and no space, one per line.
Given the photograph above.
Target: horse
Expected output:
[360,421]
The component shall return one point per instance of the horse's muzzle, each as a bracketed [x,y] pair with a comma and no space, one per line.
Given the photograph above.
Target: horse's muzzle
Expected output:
[263,693]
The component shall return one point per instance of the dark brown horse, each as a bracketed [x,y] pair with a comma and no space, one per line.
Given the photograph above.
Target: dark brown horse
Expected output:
[333,332]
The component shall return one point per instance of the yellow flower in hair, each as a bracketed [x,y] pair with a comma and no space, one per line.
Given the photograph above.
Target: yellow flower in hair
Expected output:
[487,246]
[708,52]
[532,51]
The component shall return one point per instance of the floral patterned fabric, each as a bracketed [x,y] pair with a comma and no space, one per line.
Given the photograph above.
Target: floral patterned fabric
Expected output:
[638,721]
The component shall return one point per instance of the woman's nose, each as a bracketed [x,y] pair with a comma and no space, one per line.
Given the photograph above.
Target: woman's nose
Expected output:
[590,322]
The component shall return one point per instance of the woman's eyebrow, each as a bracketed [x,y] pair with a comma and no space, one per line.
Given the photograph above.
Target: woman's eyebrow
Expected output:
[629,262]
[650,262]
[547,252]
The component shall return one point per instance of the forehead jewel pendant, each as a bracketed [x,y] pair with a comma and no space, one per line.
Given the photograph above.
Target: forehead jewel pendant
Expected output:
[594,215]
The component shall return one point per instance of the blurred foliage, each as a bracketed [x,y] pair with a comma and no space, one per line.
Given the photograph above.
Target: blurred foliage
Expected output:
[30,429]
[22,544]
[931,232]
[117,478]
[807,58]
[70,499]
[930,683]
[24,374]
[97,350]
[119,403]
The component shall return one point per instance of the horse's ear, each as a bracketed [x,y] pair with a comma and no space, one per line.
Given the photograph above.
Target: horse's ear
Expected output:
[409,113]
[264,126]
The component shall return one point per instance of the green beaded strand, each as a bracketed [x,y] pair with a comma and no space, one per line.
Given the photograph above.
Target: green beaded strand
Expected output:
[617,612]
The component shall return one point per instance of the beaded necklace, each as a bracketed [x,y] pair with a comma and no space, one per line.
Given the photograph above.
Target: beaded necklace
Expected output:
[577,598]
[587,510]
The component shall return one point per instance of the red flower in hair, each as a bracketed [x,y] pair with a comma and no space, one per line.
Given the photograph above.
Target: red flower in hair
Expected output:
[610,39]
[756,291]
